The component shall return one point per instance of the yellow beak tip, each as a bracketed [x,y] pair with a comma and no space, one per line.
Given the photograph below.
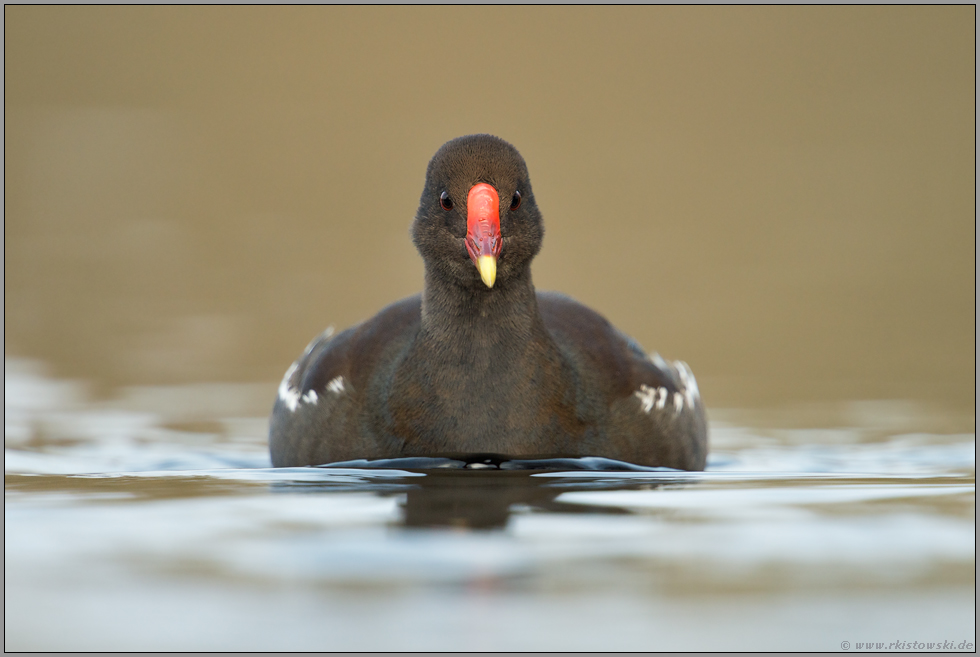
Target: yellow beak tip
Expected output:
[487,265]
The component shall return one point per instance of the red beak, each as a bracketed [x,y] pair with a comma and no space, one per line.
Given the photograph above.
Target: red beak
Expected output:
[483,230]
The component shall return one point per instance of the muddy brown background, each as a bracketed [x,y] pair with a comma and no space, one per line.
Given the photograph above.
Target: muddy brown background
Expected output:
[783,197]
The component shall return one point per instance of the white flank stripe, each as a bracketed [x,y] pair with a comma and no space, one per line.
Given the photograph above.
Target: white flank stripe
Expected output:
[691,391]
[645,394]
[289,395]
[336,385]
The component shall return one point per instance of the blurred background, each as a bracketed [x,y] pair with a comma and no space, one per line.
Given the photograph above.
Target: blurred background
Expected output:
[784,197]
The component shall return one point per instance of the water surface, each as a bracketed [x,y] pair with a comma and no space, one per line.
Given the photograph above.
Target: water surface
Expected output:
[153,520]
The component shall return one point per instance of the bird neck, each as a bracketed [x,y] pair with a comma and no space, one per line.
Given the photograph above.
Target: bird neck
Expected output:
[503,318]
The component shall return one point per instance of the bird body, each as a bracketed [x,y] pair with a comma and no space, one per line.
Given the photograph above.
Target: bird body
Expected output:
[480,362]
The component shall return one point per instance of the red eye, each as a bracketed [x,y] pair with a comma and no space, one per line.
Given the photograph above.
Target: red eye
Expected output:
[516,201]
[445,201]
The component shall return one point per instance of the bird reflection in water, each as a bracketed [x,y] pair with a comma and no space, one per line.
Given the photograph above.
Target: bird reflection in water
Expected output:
[479,492]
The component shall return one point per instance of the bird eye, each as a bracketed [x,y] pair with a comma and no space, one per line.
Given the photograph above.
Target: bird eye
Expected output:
[445,201]
[516,201]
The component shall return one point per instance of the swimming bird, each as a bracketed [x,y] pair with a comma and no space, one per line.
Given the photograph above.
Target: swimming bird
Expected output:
[480,362]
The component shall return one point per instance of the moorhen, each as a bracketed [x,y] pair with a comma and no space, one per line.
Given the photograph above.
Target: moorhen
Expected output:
[480,362]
